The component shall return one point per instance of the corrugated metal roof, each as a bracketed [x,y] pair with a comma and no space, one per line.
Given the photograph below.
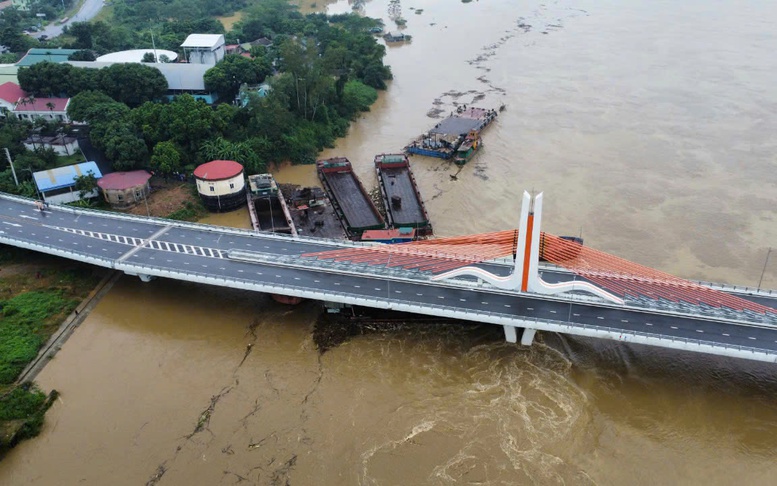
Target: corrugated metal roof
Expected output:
[210,41]
[179,76]
[34,56]
[48,180]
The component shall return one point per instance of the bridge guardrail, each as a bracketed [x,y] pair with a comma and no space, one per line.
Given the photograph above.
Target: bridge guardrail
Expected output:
[189,225]
[550,322]
[229,282]
[756,291]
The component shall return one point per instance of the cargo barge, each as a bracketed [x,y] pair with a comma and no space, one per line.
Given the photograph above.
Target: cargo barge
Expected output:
[404,205]
[351,202]
[456,137]
[312,212]
[267,206]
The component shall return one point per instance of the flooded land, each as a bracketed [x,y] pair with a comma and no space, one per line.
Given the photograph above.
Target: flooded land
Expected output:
[650,128]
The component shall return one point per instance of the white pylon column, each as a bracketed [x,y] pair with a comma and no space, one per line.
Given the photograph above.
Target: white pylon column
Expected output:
[525,276]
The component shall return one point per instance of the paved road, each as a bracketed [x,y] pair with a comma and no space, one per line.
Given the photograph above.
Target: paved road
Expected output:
[202,251]
[88,11]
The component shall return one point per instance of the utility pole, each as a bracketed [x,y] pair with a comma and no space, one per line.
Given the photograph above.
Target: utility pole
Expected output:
[766,262]
[13,171]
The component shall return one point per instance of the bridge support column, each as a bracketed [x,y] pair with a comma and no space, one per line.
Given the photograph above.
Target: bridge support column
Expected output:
[528,336]
[511,335]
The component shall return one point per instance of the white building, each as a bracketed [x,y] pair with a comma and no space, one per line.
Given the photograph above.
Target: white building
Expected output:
[221,184]
[60,144]
[204,48]
[58,186]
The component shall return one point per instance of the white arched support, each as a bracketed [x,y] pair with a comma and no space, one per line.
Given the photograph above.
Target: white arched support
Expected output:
[525,276]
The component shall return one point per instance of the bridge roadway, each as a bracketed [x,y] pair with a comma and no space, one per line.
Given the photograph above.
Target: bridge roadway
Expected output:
[200,253]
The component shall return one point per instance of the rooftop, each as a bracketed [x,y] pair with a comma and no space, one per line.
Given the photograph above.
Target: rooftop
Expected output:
[180,76]
[34,56]
[218,169]
[135,55]
[210,41]
[124,180]
[26,105]
[11,92]
[48,180]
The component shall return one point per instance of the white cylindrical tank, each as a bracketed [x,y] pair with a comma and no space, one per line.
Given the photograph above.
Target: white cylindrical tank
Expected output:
[221,184]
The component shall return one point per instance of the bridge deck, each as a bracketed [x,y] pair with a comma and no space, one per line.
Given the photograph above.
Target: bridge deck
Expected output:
[197,254]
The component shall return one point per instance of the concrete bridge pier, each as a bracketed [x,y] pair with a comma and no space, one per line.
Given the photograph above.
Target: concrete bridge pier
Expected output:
[511,335]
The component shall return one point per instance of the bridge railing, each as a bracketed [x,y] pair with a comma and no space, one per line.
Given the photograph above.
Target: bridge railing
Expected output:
[756,291]
[555,325]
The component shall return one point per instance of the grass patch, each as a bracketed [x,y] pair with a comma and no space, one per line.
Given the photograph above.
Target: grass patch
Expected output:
[64,160]
[36,293]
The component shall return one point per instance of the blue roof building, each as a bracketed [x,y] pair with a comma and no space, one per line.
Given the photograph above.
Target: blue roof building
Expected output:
[58,185]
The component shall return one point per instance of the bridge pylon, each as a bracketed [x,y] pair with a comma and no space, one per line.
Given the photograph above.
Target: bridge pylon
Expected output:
[525,275]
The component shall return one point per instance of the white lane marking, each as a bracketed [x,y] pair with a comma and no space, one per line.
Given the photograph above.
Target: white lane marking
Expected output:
[317,281]
[12,224]
[600,317]
[297,278]
[484,303]
[576,315]
[240,271]
[673,327]
[463,300]
[337,283]
[751,338]
[355,286]
[699,330]
[530,308]
[507,305]
[624,320]
[377,288]
[27,217]
[648,324]
[727,335]
[399,292]
[552,312]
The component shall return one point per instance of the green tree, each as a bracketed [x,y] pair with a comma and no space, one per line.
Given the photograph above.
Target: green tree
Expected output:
[226,77]
[148,57]
[166,158]
[82,107]
[242,152]
[85,184]
[82,55]
[133,84]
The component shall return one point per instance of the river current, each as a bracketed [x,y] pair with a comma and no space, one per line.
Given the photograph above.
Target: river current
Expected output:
[649,125]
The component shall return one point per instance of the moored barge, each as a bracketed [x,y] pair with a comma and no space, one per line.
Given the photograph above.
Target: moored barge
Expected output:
[351,202]
[456,137]
[404,205]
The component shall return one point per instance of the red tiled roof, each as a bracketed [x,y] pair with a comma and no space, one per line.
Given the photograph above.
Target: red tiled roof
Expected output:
[11,92]
[39,104]
[218,169]
[123,180]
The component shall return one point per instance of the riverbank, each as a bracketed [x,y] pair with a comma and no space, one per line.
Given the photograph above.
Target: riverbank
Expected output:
[42,299]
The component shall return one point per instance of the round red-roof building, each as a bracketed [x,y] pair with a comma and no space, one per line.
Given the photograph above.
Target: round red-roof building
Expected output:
[221,184]
[125,189]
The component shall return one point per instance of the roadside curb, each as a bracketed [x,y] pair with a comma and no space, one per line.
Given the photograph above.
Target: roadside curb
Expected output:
[68,326]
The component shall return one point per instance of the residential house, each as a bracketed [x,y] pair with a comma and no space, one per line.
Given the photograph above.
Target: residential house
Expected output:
[58,186]
[9,95]
[29,108]
[61,144]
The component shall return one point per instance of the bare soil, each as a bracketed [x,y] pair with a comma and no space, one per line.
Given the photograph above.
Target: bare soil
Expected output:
[165,198]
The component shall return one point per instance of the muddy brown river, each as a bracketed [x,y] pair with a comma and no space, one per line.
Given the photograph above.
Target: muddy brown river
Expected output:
[649,125]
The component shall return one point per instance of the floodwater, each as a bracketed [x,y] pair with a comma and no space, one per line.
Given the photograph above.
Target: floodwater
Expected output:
[647,123]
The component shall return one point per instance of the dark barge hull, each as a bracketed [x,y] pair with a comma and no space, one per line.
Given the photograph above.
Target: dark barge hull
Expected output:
[396,180]
[223,204]
[445,138]
[351,202]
